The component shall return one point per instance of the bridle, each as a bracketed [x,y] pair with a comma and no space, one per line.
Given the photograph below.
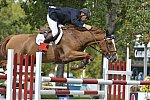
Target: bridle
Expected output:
[108,49]
[109,55]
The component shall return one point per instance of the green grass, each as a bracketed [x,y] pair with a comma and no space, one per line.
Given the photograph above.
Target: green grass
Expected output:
[75,97]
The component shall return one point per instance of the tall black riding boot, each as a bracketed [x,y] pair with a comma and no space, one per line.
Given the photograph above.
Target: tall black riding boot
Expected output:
[49,39]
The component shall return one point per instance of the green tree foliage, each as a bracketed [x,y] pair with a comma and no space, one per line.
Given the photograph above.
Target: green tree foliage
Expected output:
[133,19]
[12,19]
[36,10]
[3,3]
[98,12]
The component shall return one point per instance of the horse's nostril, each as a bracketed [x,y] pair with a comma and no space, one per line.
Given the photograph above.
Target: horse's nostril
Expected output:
[114,59]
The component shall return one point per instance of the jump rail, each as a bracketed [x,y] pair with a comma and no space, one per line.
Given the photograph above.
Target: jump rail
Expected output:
[71,92]
[95,81]
[12,77]
[39,79]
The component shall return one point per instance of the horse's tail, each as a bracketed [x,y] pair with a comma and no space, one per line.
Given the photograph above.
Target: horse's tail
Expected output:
[3,51]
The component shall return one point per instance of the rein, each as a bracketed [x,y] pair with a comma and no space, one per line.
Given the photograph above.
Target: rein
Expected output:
[95,49]
[98,45]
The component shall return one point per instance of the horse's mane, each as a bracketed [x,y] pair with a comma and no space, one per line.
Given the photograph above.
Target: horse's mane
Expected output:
[94,29]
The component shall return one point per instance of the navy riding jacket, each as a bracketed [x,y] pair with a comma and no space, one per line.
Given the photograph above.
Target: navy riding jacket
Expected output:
[65,15]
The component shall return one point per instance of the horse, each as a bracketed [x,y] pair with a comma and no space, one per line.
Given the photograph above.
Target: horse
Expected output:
[70,48]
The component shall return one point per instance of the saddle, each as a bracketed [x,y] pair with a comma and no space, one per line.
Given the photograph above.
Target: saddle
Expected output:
[45,31]
[48,35]
[48,38]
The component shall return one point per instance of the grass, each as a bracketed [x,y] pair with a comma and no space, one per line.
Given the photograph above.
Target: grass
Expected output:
[75,97]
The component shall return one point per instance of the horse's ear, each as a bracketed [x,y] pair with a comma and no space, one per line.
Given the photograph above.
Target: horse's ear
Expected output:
[110,37]
[109,40]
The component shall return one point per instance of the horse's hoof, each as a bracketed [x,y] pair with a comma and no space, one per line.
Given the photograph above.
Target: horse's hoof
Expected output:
[75,67]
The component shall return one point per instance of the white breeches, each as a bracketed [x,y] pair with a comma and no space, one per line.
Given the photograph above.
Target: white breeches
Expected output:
[53,25]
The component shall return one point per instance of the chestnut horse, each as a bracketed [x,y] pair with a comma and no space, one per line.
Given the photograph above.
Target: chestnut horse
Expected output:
[70,48]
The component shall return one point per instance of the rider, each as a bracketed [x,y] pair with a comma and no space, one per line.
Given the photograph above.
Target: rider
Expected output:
[58,15]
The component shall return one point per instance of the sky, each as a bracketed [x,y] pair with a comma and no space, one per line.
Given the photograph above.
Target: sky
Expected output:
[18,1]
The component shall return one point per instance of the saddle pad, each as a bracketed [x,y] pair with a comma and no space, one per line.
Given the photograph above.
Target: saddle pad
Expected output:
[40,38]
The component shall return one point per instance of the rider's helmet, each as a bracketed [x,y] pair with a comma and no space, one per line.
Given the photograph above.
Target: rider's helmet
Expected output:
[86,12]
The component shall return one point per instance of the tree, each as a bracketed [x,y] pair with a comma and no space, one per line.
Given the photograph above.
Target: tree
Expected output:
[133,20]
[36,11]
[12,19]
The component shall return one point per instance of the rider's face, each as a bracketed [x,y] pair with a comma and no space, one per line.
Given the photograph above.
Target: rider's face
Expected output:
[83,17]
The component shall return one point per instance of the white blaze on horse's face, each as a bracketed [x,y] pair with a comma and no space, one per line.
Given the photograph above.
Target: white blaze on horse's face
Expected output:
[109,49]
[113,41]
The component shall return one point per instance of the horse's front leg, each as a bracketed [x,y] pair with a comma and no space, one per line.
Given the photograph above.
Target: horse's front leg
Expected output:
[77,56]
[82,64]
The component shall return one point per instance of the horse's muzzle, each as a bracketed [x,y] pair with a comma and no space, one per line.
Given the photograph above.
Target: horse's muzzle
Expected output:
[113,58]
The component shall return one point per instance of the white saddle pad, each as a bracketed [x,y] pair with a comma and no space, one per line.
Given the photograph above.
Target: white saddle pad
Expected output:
[40,38]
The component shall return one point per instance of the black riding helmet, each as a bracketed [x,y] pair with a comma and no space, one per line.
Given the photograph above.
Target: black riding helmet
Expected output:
[86,12]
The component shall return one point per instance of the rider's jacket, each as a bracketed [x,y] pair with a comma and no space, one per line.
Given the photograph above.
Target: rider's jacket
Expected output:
[65,15]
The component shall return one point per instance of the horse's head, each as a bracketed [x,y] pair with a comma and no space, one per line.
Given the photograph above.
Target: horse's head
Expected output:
[108,48]
[106,45]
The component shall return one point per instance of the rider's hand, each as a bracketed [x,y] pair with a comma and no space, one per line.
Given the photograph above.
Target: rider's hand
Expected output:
[88,27]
